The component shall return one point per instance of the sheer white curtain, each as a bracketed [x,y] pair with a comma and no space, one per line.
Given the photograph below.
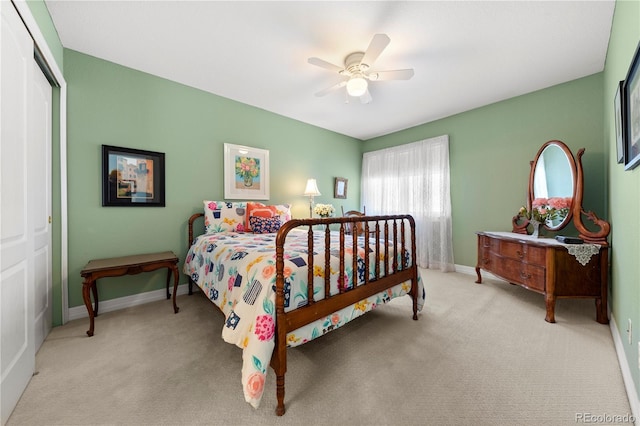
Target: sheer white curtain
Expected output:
[414,179]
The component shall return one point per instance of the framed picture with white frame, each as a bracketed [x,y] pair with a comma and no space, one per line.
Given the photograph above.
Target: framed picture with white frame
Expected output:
[246,173]
[340,188]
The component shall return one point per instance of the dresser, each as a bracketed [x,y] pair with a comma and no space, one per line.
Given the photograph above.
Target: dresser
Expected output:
[547,266]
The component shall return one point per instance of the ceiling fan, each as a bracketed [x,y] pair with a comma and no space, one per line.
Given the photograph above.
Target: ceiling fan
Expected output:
[356,73]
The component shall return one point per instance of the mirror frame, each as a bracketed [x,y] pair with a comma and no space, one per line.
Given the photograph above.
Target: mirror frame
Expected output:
[532,173]
[576,211]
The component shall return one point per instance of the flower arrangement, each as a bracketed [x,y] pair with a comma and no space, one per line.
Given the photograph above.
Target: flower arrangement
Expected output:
[247,168]
[324,210]
[561,206]
[541,211]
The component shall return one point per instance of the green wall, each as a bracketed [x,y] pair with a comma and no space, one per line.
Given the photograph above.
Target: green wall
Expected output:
[114,105]
[41,14]
[490,150]
[624,189]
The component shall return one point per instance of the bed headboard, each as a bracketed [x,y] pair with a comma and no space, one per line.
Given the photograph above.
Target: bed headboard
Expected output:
[192,219]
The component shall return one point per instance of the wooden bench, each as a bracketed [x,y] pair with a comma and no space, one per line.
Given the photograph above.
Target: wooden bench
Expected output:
[126,265]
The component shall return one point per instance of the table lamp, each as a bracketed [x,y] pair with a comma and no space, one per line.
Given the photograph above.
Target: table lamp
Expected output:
[311,191]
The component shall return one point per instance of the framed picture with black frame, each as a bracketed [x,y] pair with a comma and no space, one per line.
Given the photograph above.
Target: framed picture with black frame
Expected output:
[619,122]
[132,177]
[631,113]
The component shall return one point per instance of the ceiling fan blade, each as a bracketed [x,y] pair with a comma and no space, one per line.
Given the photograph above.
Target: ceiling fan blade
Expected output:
[366,98]
[377,45]
[331,88]
[391,75]
[324,64]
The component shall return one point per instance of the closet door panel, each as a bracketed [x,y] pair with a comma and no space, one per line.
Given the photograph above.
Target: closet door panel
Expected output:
[17,353]
[40,200]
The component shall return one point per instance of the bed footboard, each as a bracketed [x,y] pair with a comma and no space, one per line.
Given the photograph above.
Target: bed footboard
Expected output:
[385,235]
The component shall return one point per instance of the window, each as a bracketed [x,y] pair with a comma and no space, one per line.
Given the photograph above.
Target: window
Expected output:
[414,179]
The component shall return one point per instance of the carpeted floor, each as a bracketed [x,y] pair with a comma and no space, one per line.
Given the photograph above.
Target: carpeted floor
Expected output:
[478,355]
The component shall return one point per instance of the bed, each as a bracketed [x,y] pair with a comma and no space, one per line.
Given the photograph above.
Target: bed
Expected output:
[266,273]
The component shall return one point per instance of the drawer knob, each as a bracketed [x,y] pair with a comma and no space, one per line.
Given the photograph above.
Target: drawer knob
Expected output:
[520,254]
[524,275]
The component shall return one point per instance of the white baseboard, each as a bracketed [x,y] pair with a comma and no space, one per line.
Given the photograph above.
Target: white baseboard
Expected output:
[470,270]
[125,302]
[111,305]
[632,392]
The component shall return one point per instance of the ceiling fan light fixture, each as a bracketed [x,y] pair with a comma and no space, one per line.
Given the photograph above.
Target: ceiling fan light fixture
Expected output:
[357,86]
[356,76]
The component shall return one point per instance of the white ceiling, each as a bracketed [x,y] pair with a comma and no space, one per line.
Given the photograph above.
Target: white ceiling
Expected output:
[465,54]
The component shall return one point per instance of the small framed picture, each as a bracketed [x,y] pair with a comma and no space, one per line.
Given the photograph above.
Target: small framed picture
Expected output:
[132,177]
[631,113]
[340,188]
[619,122]
[246,173]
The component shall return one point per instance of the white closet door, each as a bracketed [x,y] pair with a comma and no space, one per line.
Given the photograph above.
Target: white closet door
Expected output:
[17,349]
[40,199]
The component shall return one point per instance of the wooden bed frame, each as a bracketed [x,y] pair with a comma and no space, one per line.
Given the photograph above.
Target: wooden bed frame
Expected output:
[390,229]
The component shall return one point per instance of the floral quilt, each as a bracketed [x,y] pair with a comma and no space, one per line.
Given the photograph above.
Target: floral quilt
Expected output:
[237,271]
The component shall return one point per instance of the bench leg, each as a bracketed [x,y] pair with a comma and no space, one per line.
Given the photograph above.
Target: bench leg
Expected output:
[176,278]
[87,285]
[94,290]
[169,272]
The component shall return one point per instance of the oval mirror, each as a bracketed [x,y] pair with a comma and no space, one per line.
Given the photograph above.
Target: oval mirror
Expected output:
[552,183]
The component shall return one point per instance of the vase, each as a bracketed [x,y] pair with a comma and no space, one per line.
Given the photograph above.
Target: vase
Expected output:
[322,227]
[248,181]
[536,228]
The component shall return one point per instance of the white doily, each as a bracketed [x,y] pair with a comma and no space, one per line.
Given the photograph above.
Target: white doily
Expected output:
[583,252]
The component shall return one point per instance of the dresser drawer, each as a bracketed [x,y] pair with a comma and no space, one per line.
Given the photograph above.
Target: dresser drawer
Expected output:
[485,259]
[522,252]
[533,277]
[486,242]
[517,272]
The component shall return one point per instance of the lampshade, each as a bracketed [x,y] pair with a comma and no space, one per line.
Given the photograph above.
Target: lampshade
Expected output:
[357,85]
[312,188]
